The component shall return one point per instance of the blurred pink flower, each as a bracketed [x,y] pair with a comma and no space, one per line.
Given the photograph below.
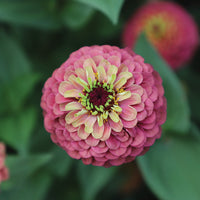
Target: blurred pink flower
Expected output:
[4,174]
[168,27]
[104,105]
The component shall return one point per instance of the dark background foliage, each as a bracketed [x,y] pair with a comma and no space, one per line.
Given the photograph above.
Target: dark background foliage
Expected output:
[36,37]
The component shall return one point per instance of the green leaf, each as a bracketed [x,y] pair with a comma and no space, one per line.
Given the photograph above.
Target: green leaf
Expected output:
[191,80]
[16,129]
[13,61]
[32,13]
[111,8]
[31,182]
[93,179]
[60,163]
[14,93]
[75,15]
[171,168]
[178,114]
[21,168]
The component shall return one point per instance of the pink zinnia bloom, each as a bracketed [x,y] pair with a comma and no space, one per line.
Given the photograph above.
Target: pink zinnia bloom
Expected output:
[104,105]
[168,27]
[4,174]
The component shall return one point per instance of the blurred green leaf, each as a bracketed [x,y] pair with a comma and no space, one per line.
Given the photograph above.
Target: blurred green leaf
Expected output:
[60,162]
[16,130]
[93,179]
[32,13]
[178,115]
[14,93]
[13,62]
[21,168]
[111,8]
[75,15]
[28,179]
[171,167]
[191,82]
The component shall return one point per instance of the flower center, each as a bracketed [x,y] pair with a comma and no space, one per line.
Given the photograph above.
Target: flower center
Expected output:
[156,27]
[99,96]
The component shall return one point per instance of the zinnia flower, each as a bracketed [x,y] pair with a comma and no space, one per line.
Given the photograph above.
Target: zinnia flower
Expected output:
[4,174]
[168,27]
[104,105]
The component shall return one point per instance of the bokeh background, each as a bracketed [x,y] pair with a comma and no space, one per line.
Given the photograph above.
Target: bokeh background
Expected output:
[36,37]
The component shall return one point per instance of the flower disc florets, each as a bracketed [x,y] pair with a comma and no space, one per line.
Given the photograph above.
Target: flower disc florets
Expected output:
[168,27]
[104,105]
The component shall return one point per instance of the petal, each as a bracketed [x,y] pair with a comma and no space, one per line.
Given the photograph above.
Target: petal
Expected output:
[98,59]
[114,116]
[123,95]
[133,100]
[100,119]
[129,124]
[126,75]
[118,84]
[61,99]
[65,86]
[91,141]
[115,126]
[112,70]
[112,143]
[70,117]
[106,133]
[89,62]
[136,89]
[128,113]
[81,73]
[82,112]
[81,82]
[72,93]
[97,131]
[114,60]
[80,120]
[101,73]
[89,72]
[139,138]
[105,64]
[90,123]
[122,68]
[81,133]
[73,106]
[72,80]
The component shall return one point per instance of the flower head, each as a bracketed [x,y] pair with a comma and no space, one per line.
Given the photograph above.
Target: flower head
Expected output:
[4,174]
[168,27]
[104,105]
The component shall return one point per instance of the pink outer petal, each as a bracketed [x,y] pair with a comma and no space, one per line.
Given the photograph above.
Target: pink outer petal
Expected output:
[99,150]
[114,60]
[115,126]
[90,62]
[128,113]
[129,124]
[61,99]
[154,131]
[87,161]
[112,143]
[118,152]
[106,133]
[97,131]
[65,86]
[91,141]
[117,162]
[81,133]
[74,154]
[139,138]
